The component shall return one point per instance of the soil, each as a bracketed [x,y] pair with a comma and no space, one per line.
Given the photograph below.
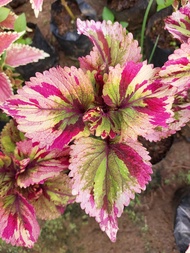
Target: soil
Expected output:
[165,38]
[157,150]
[60,17]
[122,4]
[146,226]
[156,33]
[156,27]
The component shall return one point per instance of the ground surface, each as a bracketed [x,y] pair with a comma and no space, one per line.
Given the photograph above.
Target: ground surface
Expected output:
[146,226]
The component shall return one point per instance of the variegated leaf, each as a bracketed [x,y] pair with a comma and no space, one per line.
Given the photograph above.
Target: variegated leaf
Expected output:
[8,23]
[4,2]
[134,103]
[176,70]
[20,54]
[18,224]
[52,198]
[5,87]
[175,73]
[37,6]
[112,45]
[35,164]
[178,24]
[179,120]
[7,38]
[176,3]
[7,174]
[102,123]
[106,175]
[10,135]
[50,108]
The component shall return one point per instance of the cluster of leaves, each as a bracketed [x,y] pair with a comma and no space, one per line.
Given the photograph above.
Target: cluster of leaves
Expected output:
[27,188]
[75,132]
[107,14]
[161,4]
[35,4]
[12,52]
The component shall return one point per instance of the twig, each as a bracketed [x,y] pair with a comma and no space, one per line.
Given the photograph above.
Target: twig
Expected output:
[64,3]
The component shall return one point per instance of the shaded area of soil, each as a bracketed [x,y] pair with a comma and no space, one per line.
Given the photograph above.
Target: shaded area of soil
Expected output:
[122,4]
[146,226]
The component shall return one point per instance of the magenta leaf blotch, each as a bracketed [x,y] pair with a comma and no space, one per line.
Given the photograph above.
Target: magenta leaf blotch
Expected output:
[18,221]
[51,106]
[112,45]
[105,176]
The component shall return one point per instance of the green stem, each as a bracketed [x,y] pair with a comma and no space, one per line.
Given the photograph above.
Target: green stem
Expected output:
[64,3]
[154,48]
[144,25]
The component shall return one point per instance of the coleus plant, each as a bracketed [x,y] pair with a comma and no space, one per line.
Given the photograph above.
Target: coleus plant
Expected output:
[35,4]
[87,121]
[178,24]
[34,184]
[12,53]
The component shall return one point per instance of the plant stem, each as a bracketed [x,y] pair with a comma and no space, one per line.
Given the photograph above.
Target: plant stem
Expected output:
[64,3]
[144,25]
[154,48]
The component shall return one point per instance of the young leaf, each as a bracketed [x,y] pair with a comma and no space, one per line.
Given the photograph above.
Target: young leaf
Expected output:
[4,12]
[102,123]
[5,87]
[112,45]
[19,54]
[18,224]
[20,23]
[7,175]
[107,14]
[36,164]
[55,195]
[124,24]
[50,107]
[10,135]
[106,175]
[134,103]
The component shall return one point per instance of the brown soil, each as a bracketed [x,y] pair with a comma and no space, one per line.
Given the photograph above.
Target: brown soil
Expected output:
[146,226]
[156,27]
[61,18]
[157,150]
[166,40]
[122,4]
